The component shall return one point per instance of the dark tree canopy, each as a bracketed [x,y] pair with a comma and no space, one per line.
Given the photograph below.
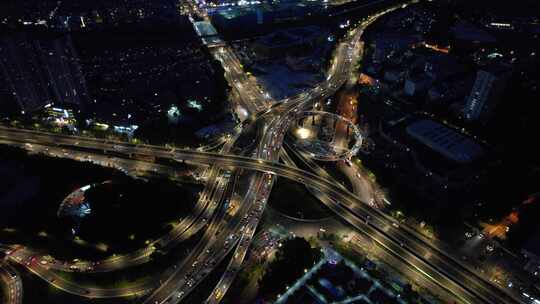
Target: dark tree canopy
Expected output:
[295,255]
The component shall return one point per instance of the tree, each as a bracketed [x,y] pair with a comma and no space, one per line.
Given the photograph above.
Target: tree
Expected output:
[295,255]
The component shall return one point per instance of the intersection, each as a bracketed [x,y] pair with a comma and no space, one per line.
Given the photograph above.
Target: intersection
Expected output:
[255,164]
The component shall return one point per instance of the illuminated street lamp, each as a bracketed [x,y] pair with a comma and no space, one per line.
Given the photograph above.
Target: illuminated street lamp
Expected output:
[303,133]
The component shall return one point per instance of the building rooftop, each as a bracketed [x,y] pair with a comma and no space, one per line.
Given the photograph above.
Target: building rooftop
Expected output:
[450,143]
[292,36]
[204,29]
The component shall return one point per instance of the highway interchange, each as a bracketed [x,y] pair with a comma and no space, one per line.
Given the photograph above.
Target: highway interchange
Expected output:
[246,178]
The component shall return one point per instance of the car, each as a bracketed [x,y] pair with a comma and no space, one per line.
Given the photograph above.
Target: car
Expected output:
[11,272]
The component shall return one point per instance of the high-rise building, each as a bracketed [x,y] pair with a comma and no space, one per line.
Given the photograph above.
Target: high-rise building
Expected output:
[61,65]
[41,72]
[486,92]
[7,103]
[21,69]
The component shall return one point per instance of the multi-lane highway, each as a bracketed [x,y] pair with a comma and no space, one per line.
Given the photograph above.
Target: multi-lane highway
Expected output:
[233,161]
[253,95]
[187,226]
[306,97]
[12,284]
[229,230]
[346,200]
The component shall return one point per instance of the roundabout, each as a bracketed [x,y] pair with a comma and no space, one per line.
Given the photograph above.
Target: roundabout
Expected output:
[325,136]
